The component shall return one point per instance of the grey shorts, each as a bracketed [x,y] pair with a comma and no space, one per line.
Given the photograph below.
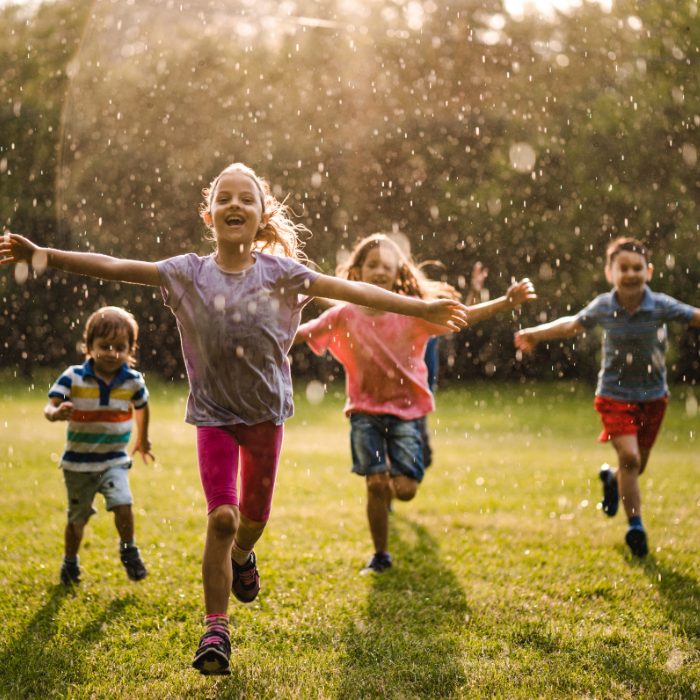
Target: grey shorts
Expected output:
[82,487]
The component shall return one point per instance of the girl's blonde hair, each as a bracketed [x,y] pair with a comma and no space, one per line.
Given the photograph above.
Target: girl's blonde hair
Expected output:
[410,279]
[280,236]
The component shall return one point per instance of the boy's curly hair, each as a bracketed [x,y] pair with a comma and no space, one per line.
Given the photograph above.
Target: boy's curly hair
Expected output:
[410,280]
[281,236]
[108,322]
[631,245]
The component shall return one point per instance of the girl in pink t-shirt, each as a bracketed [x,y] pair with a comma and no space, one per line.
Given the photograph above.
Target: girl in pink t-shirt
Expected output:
[386,375]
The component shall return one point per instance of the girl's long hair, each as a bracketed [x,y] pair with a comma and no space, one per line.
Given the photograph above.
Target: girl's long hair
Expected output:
[281,235]
[410,281]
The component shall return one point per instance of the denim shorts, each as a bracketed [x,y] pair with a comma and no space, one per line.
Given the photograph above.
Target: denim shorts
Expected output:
[82,487]
[374,438]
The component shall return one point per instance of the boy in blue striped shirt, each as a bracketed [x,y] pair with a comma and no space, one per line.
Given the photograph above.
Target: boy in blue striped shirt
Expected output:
[632,392]
[96,399]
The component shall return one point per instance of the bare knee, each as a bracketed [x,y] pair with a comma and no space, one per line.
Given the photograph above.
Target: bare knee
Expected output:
[223,521]
[405,488]
[377,484]
[630,460]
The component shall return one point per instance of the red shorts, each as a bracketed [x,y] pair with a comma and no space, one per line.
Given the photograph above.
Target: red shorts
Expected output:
[640,418]
[218,451]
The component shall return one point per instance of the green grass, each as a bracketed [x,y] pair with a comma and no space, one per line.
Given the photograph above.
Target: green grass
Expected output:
[508,581]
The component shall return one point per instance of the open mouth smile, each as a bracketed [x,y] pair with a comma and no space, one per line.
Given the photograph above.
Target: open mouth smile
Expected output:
[234,220]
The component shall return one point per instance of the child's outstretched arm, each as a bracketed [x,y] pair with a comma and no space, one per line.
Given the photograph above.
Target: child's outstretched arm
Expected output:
[142,443]
[442,312]
[695,321]
[17,249]
[526,340]
[517,294]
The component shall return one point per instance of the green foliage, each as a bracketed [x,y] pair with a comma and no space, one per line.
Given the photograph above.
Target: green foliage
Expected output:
[507,580]
[379,117]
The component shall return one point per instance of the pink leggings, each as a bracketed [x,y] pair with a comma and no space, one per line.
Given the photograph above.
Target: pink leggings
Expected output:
[217,452]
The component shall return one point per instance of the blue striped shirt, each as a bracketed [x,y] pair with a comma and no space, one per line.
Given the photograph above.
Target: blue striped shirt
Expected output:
[634,346]
[100,426]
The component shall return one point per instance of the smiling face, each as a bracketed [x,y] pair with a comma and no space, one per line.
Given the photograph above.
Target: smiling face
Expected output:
[381,267]
[629,273]
[235,211]
[110,353]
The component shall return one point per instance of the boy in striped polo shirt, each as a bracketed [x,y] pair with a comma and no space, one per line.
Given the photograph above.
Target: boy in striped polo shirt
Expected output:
[96,399]
[632,391]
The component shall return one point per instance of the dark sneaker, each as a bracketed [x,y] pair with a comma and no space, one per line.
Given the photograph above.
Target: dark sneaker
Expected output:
[70,574]
[213,654]
[378,564]
[135,568]
[246,580]
[611,494]
[636,539]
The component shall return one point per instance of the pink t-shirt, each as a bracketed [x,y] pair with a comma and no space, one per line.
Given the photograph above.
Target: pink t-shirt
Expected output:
[383,359]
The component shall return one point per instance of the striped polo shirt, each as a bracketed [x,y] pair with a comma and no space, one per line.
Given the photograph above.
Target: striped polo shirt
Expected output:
[101,422]
[634,346]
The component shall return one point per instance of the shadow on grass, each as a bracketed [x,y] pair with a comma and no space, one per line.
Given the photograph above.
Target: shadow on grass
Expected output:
[406,643]
[680,595]
[48,657]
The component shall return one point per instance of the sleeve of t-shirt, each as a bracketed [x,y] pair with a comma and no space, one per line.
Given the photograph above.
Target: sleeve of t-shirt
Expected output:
[176,275]
[318,333]
[62,386]
[590,316]
[296,282]
[140,396]
[676,310]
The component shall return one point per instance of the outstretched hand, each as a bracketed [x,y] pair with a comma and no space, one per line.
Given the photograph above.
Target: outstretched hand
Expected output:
[520,292]
[446,312]
[17,249]
[526,340]
[143,445]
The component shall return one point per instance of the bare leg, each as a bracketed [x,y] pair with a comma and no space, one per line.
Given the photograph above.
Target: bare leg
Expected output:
[73,536]
[404,487]
[629,460]
[217,575]
[249,532]
[377,514]
[124,520]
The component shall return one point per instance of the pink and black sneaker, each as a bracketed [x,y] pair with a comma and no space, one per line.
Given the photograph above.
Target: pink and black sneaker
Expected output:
[213,654]
[246,580]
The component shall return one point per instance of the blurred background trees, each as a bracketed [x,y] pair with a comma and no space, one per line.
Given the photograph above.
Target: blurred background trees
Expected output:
[480,131]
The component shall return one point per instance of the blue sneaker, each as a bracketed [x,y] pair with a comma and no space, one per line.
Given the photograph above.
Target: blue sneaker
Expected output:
[611,494]
[636,539]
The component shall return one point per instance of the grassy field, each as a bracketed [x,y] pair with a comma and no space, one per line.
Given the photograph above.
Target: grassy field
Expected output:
[508,582]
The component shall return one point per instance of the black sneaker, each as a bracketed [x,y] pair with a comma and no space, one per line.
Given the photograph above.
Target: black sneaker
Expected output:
[636,539]
[70,574]
[611,494]
[378,564]
[213,655]
[246,579]
[135,568]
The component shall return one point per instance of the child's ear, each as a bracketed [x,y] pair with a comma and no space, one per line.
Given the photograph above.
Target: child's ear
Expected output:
[608,274]
[207,218]
[650,271]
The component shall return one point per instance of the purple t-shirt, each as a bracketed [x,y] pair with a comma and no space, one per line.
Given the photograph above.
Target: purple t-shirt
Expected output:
[236,329]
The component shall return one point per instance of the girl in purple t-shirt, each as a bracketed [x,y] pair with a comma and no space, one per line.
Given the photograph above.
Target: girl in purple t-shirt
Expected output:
[387,379]
[237,312]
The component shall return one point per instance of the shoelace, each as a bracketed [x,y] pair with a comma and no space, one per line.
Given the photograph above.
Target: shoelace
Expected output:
[248,577]
[213,637]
